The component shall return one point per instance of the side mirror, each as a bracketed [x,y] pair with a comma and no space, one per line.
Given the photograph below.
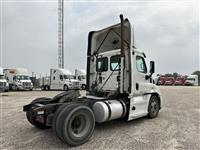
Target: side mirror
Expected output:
[152,67]
[151,71]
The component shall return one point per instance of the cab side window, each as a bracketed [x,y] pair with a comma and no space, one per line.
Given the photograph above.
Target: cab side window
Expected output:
[140,64]
[114,62]
[102,64]
[61,77]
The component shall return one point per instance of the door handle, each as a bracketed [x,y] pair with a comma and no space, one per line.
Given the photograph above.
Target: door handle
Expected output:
[137,86]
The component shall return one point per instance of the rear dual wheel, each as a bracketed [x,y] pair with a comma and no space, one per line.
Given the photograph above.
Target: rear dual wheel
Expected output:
[74,123]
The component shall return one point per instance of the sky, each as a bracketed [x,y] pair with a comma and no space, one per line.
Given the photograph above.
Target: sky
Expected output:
[167,31]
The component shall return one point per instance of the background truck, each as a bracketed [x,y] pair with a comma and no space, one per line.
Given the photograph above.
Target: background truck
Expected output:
[3,82]
[118,87]
[80,74]
[192,80]
[59,79]
[18,79]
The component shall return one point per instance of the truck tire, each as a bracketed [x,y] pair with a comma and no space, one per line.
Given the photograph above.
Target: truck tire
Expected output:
[75,124]
[83,87]
[56,116]
[153,108]
[16,88]
[65,88]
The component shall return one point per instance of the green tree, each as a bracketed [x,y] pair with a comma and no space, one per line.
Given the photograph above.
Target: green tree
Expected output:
[168,75]
[175,74]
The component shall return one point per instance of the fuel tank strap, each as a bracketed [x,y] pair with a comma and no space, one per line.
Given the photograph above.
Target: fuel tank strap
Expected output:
[109,109]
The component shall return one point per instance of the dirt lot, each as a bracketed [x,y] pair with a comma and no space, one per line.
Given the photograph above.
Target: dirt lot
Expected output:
[176,127]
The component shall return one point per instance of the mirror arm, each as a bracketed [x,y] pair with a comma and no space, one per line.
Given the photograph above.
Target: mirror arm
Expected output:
[148,76]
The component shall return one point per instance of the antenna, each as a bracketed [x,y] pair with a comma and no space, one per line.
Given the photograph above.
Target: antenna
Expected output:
[60,33]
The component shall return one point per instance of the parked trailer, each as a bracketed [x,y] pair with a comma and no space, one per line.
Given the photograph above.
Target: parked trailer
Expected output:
[192,80]
[161,80]
[80,74]
[118,86]
[18,79]
[4,86]
[180,80]
[169,81]
[59,79]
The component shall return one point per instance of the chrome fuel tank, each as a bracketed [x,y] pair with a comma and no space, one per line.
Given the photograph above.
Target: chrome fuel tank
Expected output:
[109,110]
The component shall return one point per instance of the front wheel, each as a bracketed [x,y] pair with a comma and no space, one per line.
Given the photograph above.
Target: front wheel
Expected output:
[65,88]
[75,124]
[83,87]
[153,108]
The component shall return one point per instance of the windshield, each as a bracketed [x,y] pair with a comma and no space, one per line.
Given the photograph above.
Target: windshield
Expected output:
[191,79]
[82,77]
[21,77]
[68,76]
[2,77]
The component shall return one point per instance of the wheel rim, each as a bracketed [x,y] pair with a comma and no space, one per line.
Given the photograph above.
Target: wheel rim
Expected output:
[154,107]
[79,125]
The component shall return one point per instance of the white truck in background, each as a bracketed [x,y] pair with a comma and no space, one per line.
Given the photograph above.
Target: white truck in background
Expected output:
[59,79]
[18,79]
[3,82]
[192,80]
[80,74]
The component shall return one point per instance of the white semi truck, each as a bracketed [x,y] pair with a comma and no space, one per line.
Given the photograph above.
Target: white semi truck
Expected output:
[3,82]
[118,87]
[192,80]
[80,74]
[59,79]
[18,79]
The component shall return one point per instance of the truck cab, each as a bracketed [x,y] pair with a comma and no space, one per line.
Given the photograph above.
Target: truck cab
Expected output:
[18,79]
[80,75]
[192,80]
[62,79]
[3,82]
[118,68]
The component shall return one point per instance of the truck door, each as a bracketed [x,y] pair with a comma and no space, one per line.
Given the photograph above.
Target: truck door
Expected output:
[141,85]
[60,83]
[54,79]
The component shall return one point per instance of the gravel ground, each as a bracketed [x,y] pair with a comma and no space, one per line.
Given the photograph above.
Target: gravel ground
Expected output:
[176,127]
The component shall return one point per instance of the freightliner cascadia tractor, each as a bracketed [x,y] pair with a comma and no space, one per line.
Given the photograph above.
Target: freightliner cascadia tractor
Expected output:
[118,87]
